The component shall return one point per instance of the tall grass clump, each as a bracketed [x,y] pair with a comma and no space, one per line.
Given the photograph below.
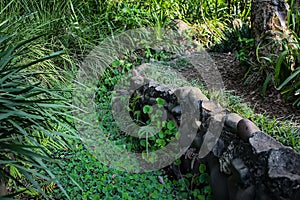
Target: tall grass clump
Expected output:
[26,19]
[79,25]
[293,18]
[212,19]
[34,120]
[280,69]
[287,69]
[273,64]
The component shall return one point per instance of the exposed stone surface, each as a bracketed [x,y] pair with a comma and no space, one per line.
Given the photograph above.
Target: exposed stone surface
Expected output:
[241,171]
[176,110]
[181,26]
[246,129]
[261,142]
[282,167]
[232,120]
[243,162]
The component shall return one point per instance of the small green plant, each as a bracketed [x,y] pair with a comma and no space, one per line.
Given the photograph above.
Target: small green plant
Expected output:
[285,72]
[237,38]
[156,133]
[87,178]
[195,186]
[201,182]
[283,131]
[293,17]
[245,46]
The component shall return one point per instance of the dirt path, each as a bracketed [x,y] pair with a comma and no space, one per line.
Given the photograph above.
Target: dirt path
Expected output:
[233,77]
[272,105]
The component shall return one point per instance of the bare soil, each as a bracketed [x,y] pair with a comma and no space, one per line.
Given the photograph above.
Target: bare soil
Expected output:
[273,104]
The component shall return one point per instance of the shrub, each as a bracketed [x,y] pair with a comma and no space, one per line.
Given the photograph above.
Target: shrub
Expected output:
[284,70]
[33,121]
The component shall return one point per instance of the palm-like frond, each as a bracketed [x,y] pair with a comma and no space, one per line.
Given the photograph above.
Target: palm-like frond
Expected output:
[30,116]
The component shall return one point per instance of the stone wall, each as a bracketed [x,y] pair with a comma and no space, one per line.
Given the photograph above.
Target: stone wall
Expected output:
[243,162]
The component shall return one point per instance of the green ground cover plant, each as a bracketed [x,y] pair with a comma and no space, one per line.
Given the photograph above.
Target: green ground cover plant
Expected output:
[92,180]
[285,71]
[40,155]
[284,131]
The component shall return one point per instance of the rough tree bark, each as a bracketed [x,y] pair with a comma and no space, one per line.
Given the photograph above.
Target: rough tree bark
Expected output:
[268,22]
[267,16]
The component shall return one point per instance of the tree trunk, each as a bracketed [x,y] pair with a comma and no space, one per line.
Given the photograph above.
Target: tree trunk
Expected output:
[267,17]
[268,24]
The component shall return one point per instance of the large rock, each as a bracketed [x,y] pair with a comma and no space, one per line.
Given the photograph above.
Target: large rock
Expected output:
[262,142]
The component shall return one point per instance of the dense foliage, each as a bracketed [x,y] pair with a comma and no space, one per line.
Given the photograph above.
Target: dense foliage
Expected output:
[32,120]
[41,46]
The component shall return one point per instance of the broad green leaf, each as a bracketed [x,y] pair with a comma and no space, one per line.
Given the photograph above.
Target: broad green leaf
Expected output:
[171,125]
[2,39]
[203,178]
[160,102]
[202,168]
[289,79]
[279,62]
[265,85]
[147,109]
